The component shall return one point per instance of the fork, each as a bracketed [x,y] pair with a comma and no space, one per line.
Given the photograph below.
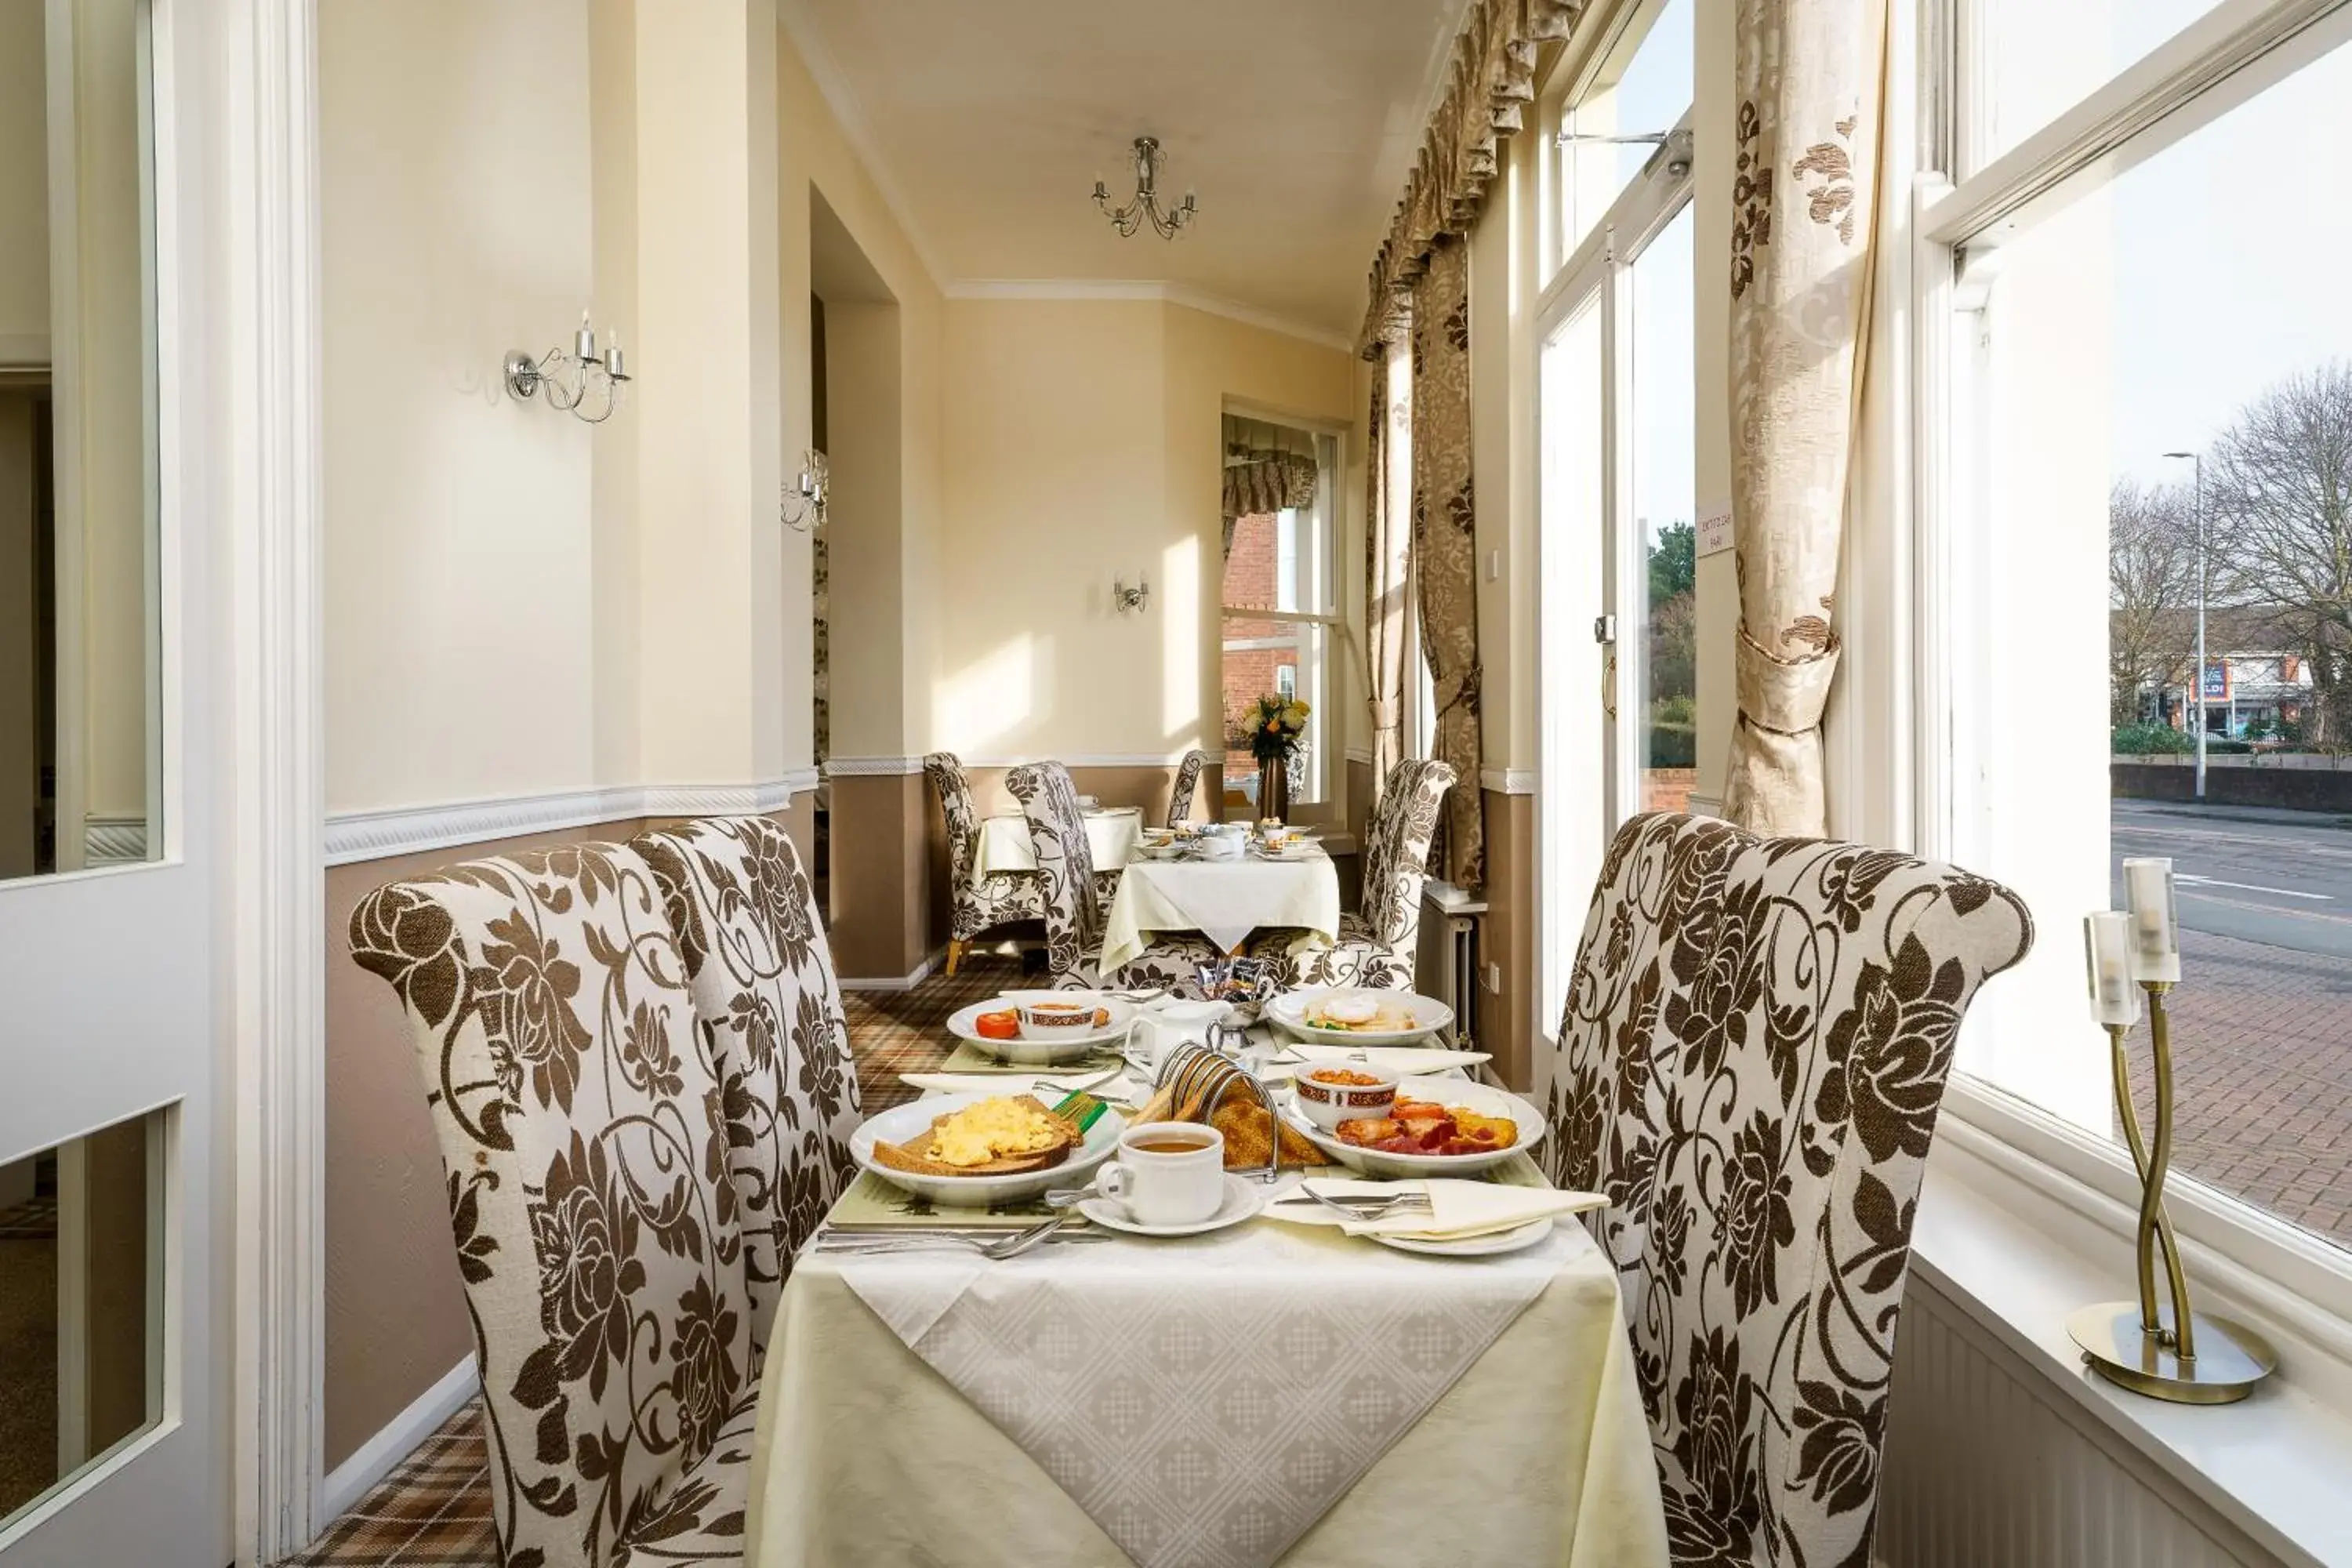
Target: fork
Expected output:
[1001,1248]
[1367,1208]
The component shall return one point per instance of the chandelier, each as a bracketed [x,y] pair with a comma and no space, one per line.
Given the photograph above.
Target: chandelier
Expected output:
[1146,209]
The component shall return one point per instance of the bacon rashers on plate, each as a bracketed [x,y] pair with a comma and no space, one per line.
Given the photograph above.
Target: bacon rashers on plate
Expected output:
[1422,1127]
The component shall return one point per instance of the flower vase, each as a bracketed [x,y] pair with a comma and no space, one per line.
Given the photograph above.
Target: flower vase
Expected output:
[1273,791]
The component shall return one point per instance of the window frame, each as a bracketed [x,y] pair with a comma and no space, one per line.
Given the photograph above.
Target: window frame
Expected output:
[2287,1276]
[1321,568]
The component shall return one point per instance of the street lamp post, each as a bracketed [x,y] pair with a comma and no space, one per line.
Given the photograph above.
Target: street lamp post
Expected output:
[2197,683]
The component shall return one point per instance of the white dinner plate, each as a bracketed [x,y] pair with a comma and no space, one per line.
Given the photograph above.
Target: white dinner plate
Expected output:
[1070,1048]
[1244,1195]
[902,1122]
[1475,1097]
[1489,1246]
[1429,1017]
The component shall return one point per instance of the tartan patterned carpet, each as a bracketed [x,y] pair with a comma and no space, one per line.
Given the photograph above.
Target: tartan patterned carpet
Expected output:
[433,1510]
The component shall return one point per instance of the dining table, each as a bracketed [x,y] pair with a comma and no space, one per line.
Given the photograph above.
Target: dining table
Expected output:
[1112,834]
[1271,1393]
[1226,901]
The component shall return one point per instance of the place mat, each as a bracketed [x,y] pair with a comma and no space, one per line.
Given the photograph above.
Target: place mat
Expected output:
[972,1058]
[1206,1401]
[872,1203]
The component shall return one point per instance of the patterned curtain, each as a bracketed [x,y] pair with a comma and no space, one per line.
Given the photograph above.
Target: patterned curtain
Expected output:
[1267,467]
[1388,554]
[1811,79]
[1493,79]
[1444,544]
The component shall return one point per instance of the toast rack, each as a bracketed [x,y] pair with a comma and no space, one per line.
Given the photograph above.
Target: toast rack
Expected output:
[1195,1074]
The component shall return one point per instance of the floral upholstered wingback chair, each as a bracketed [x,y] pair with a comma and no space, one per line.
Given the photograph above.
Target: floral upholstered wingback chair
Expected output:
[977,904]
[578,1114]
[1074,901]
[768,1011]
[1188,784]
[1378,946]
[1755,1045]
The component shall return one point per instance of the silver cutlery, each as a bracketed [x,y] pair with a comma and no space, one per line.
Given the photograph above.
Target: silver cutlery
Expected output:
[1366,1206]
[1000,1248]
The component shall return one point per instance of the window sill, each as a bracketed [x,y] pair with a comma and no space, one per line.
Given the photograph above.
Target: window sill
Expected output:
[2018,1243]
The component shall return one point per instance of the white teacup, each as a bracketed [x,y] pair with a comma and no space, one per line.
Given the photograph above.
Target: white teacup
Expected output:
[1167,1172]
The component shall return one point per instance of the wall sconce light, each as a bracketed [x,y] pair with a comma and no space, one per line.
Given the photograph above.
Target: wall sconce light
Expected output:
[803,508]
[570,377]
[1124,598]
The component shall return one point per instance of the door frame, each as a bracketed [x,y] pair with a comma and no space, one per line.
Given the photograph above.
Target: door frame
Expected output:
[275,863]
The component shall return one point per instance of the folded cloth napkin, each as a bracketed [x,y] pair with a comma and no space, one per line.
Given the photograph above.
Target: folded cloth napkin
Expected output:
[1117,1089]
[1458,1208]
[1407,1059]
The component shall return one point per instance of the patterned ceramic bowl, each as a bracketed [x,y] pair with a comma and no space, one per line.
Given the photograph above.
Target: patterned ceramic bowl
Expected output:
[1330,1094]
[1056,1020]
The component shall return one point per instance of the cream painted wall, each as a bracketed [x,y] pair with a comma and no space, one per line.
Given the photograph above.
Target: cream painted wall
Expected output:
[1718,585]
[1083,442]
[460,555]
[613,538]
[24,175]
[1505,246]
[814,152]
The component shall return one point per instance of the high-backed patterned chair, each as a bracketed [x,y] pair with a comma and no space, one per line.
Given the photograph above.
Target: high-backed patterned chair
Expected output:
[1074,898]
[578,1114]
[1755,1041]
[1188,783]
[1378,944]
[977,904]
[768,1007]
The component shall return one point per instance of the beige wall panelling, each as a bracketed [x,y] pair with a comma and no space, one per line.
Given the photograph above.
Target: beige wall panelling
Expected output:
[881,875]
[461,559]
[1508,937]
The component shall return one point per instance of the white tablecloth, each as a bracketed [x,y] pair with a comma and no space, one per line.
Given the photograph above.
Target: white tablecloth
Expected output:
[1112,834]
[1265,1394]
[1224,900]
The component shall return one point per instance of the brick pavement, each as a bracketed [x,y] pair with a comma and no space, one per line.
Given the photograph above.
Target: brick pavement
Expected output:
[2262,1051]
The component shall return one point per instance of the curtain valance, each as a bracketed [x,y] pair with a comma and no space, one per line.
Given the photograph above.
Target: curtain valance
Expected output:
[1493,78]
[1267,467]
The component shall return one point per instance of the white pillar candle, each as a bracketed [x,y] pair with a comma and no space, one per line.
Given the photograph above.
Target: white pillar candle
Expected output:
[584,346]
[612,361]
[2106,953]
[2155,929]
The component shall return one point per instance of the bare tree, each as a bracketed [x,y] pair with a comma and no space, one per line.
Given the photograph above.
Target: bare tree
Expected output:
[2151,578]
[2278,493]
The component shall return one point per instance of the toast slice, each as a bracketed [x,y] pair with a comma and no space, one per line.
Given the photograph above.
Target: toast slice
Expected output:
[909,1156]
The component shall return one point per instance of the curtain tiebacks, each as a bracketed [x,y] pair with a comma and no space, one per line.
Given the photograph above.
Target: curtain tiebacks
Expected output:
[1783,696]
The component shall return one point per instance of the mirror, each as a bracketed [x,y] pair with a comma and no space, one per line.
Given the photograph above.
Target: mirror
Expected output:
[80,1287]
[79,781]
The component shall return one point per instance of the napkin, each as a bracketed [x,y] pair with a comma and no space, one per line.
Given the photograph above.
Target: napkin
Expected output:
[1406,1059]
[1458,1208]
[1118,1090]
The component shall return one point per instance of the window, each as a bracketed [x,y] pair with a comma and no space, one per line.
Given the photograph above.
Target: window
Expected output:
[1278,607]
[1616,623]
[1640,87]
[2151,401]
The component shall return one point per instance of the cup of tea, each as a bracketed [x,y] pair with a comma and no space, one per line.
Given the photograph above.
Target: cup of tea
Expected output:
[1167,1172]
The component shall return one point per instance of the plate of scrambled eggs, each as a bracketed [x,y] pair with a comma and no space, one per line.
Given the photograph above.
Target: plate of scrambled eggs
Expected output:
[973,1151]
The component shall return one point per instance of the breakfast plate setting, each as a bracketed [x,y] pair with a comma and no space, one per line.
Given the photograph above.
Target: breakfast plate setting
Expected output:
[1044,1027]
[1330,1015]
[982,1150]
[1364,1121]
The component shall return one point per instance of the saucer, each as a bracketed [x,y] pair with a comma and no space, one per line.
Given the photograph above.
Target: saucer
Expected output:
[1244,1195]
[1499,1243]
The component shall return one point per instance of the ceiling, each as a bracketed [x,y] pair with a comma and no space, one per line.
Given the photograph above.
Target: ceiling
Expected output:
[987,121]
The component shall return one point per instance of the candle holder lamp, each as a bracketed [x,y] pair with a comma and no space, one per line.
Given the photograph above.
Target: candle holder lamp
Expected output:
[2165,1350]
[572,376]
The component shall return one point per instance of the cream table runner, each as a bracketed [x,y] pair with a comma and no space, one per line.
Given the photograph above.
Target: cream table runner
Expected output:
[1224,900]
[1112,834]
[1270,1393]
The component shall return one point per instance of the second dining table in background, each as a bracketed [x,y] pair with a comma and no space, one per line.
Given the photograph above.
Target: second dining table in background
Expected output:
[1112,832]
[1224,900]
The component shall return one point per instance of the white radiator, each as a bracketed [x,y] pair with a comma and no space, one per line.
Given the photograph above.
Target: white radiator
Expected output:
[1988,1465]
[1447,964]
